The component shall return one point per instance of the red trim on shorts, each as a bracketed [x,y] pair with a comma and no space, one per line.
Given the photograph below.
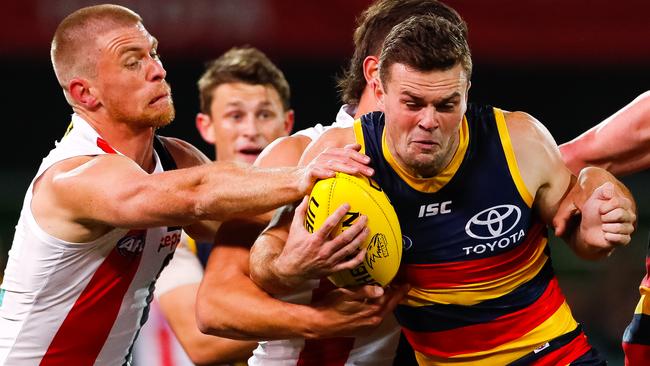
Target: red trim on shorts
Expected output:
[460,273]
[486,336]
[88,324]
[328,351]
[102,144]
[636,354]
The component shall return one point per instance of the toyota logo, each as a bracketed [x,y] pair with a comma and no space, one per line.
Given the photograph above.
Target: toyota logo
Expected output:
[493,222]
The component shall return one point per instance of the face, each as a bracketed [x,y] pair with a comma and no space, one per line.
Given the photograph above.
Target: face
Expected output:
[424,111]
[243,120]
[130,79]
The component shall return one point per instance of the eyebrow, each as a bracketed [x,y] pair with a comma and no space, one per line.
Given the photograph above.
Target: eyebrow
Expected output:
[453,95]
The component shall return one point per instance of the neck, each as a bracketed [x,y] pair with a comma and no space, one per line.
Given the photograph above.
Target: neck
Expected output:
[133,142]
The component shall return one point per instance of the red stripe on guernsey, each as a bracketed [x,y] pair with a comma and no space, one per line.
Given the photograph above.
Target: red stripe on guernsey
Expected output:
[566,354]
[102,144]
[165,343]
[453,274]
[485,336]
[636,354]
[327,351]
[86,327]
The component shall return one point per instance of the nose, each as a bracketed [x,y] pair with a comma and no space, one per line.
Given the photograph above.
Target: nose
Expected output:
[157,72]
[428,119]
[248,126]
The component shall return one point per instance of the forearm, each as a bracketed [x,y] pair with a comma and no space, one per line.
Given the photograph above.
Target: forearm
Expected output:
[178,307]
[618,144]
[248,313]
[266,271]
[231,190]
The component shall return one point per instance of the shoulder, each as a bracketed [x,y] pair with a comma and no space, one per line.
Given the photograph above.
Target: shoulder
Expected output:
[529,134]
[185,154]
[333,137]
[284,151]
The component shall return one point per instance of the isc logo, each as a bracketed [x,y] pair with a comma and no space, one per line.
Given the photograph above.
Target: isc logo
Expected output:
[435,209]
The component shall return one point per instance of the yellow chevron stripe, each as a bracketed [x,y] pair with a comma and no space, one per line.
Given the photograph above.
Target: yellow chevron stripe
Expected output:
[432,184]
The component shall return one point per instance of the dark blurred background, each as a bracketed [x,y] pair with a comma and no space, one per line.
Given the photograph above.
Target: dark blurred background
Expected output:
[569,63]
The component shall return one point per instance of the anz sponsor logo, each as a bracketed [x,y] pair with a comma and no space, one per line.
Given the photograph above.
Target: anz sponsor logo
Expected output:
[494,223]
[132,244]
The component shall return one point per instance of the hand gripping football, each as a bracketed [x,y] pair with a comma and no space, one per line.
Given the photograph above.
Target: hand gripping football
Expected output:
[384,243]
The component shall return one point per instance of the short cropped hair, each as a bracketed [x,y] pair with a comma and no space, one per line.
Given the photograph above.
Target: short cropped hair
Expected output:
[372,27]
[71,50]
[247,65]
[425,43]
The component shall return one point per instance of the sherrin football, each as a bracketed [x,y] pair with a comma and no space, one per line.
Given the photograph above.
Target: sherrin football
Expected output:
[365,197]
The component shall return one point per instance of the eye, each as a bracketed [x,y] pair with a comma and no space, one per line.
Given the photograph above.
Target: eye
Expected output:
[132,64]
[154,54]
[265,114]
[447,107]
[413,106]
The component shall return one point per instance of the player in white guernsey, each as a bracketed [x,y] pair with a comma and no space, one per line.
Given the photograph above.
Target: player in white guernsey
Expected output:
[102,217]
[227,272]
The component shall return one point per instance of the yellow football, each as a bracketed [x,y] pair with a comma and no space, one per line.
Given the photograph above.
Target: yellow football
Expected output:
[365,197]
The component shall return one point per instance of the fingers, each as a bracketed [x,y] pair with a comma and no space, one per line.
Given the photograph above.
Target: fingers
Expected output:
[605,191]
[332,220]
[563,216]
[346,160]
[300,213]
[617,239]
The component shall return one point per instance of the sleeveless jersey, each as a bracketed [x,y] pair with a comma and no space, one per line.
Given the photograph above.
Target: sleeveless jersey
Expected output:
[476,256]
[66,303]
[375,349]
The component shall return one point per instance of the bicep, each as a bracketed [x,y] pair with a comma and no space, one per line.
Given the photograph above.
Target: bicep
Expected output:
[542,169]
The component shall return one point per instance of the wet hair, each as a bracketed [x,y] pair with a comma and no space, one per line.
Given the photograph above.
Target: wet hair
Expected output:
[247,65]
[373,26]
[425,43]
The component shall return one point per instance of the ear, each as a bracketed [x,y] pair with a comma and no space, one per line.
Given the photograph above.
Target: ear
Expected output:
[205,126]
[289,119]
[469,85]
[371,68]
[81,94]
[379,93]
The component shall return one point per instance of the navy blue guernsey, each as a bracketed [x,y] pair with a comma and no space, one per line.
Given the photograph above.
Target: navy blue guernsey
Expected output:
[475,253]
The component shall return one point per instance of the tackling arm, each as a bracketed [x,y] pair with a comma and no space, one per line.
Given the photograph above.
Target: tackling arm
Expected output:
[619,144]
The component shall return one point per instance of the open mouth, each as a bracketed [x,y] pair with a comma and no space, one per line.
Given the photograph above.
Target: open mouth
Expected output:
[251,151]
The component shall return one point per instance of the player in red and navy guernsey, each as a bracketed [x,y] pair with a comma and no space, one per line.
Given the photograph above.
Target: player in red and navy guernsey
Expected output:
[474,188]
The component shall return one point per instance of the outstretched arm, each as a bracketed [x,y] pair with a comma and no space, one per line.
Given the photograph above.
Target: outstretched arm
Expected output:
[619,144]
[113,191]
